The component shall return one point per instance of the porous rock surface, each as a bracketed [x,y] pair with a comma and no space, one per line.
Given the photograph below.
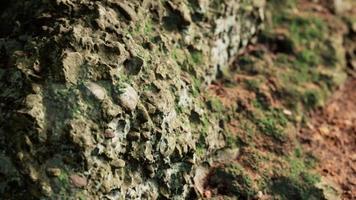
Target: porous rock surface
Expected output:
[100,99]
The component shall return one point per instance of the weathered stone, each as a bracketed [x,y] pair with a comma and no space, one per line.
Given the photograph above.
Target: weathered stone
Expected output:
[108,18]
[129,98]
[118,163]
[46,189]
[80,133]
[72,62]
[96,90]
[33,173]
[126,10]
[111,109]
[199,178]
[78,181]
[329,189]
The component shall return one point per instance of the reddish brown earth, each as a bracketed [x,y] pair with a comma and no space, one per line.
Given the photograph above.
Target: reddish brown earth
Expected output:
[331,137]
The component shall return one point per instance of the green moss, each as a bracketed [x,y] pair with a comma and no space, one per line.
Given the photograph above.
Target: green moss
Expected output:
[201,146]
[248,129]
[252,85]
[64,179]
[196,56]
[178,55]
[261,102]
[230,141]
[82,196]
[290,95]
[300,72]
[295,181]
[151,87]
[231,180]
[311,179]
[312,99]
[254,160]
[329,54]
[310,161]
[215,105]
[308,57]
[296,167]
[196,87]
[273,124]
[305,30]
[283,60]
[269,127]
[205,125]
[200,151]
[148,27]
[282,4]
[299,167]
[285,188]
[298,152]
[309,35]
[247,65]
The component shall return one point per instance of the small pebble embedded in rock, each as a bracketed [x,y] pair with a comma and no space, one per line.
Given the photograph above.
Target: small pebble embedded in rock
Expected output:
[129,98]
[54,172]
[78,181]
[109,134]
[118,163]
[96,90]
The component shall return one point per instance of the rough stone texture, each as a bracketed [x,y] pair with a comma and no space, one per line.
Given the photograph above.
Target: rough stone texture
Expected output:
[53,52]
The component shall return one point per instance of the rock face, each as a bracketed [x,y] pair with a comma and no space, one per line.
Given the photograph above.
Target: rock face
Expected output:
[155,56]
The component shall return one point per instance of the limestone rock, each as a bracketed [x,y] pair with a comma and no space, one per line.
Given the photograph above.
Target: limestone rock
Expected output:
[129,98]
[96,90]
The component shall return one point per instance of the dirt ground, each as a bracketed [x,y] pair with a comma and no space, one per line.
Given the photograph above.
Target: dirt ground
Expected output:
[331,137]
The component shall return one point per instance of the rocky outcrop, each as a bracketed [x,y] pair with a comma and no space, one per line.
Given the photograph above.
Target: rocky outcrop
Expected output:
[100,99]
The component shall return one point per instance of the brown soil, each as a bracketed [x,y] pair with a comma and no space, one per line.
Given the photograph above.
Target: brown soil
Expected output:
[330,134]
[331,138]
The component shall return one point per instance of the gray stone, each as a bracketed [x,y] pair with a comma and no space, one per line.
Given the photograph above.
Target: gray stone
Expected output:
[78,181]
[96,90]
[129,98]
